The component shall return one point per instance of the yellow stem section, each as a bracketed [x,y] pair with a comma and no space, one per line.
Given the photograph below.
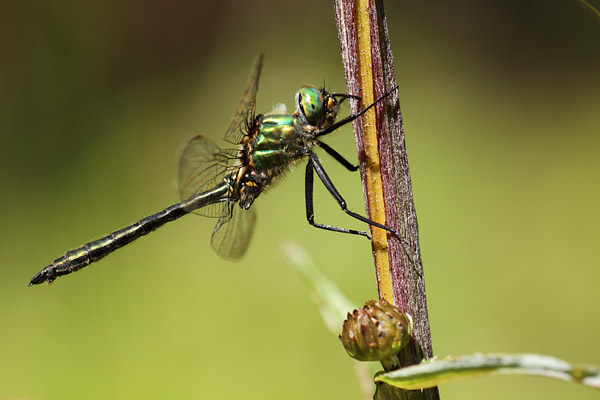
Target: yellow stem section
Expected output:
[373,173]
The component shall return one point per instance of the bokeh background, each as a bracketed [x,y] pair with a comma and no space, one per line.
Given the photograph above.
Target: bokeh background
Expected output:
[501,104]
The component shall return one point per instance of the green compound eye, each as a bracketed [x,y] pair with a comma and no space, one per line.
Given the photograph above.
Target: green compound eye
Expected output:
[310,103]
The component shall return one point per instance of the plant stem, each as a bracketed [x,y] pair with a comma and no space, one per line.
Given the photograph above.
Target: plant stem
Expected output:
[369,70]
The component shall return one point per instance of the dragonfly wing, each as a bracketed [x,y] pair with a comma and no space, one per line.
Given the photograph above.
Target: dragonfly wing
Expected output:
[202,167]
[233,232]
[246,109]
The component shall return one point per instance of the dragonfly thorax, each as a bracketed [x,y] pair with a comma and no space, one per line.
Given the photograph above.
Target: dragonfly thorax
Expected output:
[277,141]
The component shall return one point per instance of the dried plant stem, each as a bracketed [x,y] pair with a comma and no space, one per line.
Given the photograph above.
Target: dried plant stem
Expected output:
[369,69]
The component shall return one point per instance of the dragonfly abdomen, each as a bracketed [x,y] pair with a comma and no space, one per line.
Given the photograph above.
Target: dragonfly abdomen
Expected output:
[99,248]
[76,259]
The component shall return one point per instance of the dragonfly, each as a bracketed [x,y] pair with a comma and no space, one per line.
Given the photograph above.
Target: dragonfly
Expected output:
[223,183]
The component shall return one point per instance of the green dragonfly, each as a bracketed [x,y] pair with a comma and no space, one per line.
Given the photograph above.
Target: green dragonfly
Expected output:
[223,183]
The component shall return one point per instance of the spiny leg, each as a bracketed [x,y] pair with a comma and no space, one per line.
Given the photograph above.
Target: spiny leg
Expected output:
[352,117]
[338,157]
[310,215]
[314,163]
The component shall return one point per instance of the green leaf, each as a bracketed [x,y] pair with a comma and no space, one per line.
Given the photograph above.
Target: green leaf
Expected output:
[434,372]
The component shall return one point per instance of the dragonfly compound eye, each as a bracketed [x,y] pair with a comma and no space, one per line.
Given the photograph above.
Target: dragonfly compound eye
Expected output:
[310,103]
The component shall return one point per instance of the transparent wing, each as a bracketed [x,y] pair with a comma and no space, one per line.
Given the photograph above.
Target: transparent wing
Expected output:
[246,108]
[233,232]
[202,167]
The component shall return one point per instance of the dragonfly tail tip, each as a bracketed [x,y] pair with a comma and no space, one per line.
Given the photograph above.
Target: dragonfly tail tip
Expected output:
[38,278]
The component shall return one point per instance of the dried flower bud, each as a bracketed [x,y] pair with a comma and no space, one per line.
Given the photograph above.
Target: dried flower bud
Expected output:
[376,331]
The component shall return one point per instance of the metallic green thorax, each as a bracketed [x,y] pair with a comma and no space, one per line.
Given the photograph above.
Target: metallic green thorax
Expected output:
[277,141]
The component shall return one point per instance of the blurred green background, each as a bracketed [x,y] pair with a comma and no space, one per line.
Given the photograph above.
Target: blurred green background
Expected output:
[501,105]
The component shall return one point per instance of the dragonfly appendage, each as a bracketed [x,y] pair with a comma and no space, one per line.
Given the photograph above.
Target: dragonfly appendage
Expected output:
[74,260]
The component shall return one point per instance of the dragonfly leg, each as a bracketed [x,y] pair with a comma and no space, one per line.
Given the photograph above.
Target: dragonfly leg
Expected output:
[314,163]
[310,215]
[352,117]
[338,157]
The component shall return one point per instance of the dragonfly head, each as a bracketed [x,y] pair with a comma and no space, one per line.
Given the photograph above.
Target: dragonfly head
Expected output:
[318,107]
